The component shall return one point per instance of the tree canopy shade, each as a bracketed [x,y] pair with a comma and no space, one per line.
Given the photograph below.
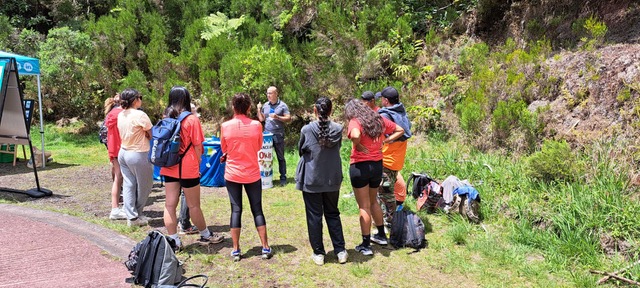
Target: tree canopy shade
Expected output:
[30,66]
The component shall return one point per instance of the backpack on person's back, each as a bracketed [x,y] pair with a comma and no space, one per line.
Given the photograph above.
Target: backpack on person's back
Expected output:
[165,141]
[153,262]
[407,230]
[102,134]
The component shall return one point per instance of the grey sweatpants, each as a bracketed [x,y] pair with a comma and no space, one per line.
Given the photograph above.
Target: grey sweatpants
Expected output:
[137,174]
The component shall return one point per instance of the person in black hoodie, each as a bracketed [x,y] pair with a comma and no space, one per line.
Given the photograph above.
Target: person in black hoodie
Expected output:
[318,176]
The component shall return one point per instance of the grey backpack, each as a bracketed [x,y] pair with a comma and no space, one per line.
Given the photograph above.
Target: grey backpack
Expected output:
[153,262]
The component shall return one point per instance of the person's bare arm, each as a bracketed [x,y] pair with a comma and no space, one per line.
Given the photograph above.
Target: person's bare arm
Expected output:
[284,118]
[199,151]
[395,135]
[259,112]
[355,139]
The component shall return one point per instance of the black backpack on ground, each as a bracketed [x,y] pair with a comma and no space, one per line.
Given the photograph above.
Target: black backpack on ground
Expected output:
[420,182]
[153,261]
[426,191]
[407,230]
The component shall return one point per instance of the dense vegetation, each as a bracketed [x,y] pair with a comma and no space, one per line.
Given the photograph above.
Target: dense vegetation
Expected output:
[459,76]
[93,49]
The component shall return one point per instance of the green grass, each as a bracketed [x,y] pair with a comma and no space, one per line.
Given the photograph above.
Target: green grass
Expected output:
[533,234]
[68,146]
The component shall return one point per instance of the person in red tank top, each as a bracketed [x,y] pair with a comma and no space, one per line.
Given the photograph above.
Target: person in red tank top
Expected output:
[366,131]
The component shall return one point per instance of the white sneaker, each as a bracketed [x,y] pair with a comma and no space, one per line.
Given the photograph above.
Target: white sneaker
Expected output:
[138,222]
[117,214]
[342,257]
[318,259]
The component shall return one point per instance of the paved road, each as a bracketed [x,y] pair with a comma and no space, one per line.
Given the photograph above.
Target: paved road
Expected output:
[46,249]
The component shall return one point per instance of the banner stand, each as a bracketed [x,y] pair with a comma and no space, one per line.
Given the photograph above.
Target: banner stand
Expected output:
[14,128]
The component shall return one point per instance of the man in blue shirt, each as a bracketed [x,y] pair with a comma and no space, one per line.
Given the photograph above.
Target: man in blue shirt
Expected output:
[274,113]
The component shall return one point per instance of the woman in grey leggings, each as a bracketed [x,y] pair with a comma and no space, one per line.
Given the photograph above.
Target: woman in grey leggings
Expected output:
[134,127]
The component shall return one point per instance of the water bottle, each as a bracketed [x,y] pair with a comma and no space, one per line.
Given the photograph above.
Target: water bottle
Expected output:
[175,145]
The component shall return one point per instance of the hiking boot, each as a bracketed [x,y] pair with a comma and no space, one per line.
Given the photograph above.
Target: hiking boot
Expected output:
[318,259]
[266,253]
[117,214]
[191,230]
[235,255]
[214,238]
[137,222]
[380,240]
[342,257]
[365,250]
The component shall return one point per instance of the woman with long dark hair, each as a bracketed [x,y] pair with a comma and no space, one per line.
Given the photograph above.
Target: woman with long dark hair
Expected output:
[134,127]
[185,175]
[367,130]
[318,176]
[240,141]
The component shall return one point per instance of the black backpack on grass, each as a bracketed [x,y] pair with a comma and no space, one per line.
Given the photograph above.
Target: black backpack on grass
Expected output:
[426,191]
[153,262]
[407,230]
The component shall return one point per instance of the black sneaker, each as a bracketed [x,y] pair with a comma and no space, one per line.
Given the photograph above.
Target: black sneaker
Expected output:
[365,250]
[380,240]
[188,231]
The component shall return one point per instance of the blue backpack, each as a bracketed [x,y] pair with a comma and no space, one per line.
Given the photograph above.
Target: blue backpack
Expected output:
[165,142]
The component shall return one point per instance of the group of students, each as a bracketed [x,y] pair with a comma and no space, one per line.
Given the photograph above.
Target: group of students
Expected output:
[128,144]
[378,140]
[318,173]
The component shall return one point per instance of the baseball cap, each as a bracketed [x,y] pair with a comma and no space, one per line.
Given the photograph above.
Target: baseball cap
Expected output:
[367,95]
[389,92]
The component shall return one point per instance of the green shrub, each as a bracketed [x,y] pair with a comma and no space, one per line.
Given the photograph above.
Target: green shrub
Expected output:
[425,119]
[554,162]
[471,110]
[472,57]
[447,83]
[506,117]
[66,74]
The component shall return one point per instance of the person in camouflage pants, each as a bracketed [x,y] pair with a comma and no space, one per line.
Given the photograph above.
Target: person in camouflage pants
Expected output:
[392,191]
[386,195]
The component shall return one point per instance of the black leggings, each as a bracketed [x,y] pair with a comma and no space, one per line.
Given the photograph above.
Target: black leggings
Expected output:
[254,193]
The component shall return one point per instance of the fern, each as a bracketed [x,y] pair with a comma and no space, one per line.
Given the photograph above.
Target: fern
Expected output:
[218,24]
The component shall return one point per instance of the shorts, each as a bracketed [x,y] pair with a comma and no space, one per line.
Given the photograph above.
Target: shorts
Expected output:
[366,173]
[185,183]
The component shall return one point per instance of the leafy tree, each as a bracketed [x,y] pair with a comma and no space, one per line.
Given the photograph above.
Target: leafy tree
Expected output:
[67,89]
[5,32]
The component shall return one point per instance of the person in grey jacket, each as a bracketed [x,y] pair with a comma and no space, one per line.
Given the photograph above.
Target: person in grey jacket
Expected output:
[318,176]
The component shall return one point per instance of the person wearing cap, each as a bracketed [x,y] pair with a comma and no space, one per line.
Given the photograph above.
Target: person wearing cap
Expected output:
[370,99]
[274,113]
[390,193]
